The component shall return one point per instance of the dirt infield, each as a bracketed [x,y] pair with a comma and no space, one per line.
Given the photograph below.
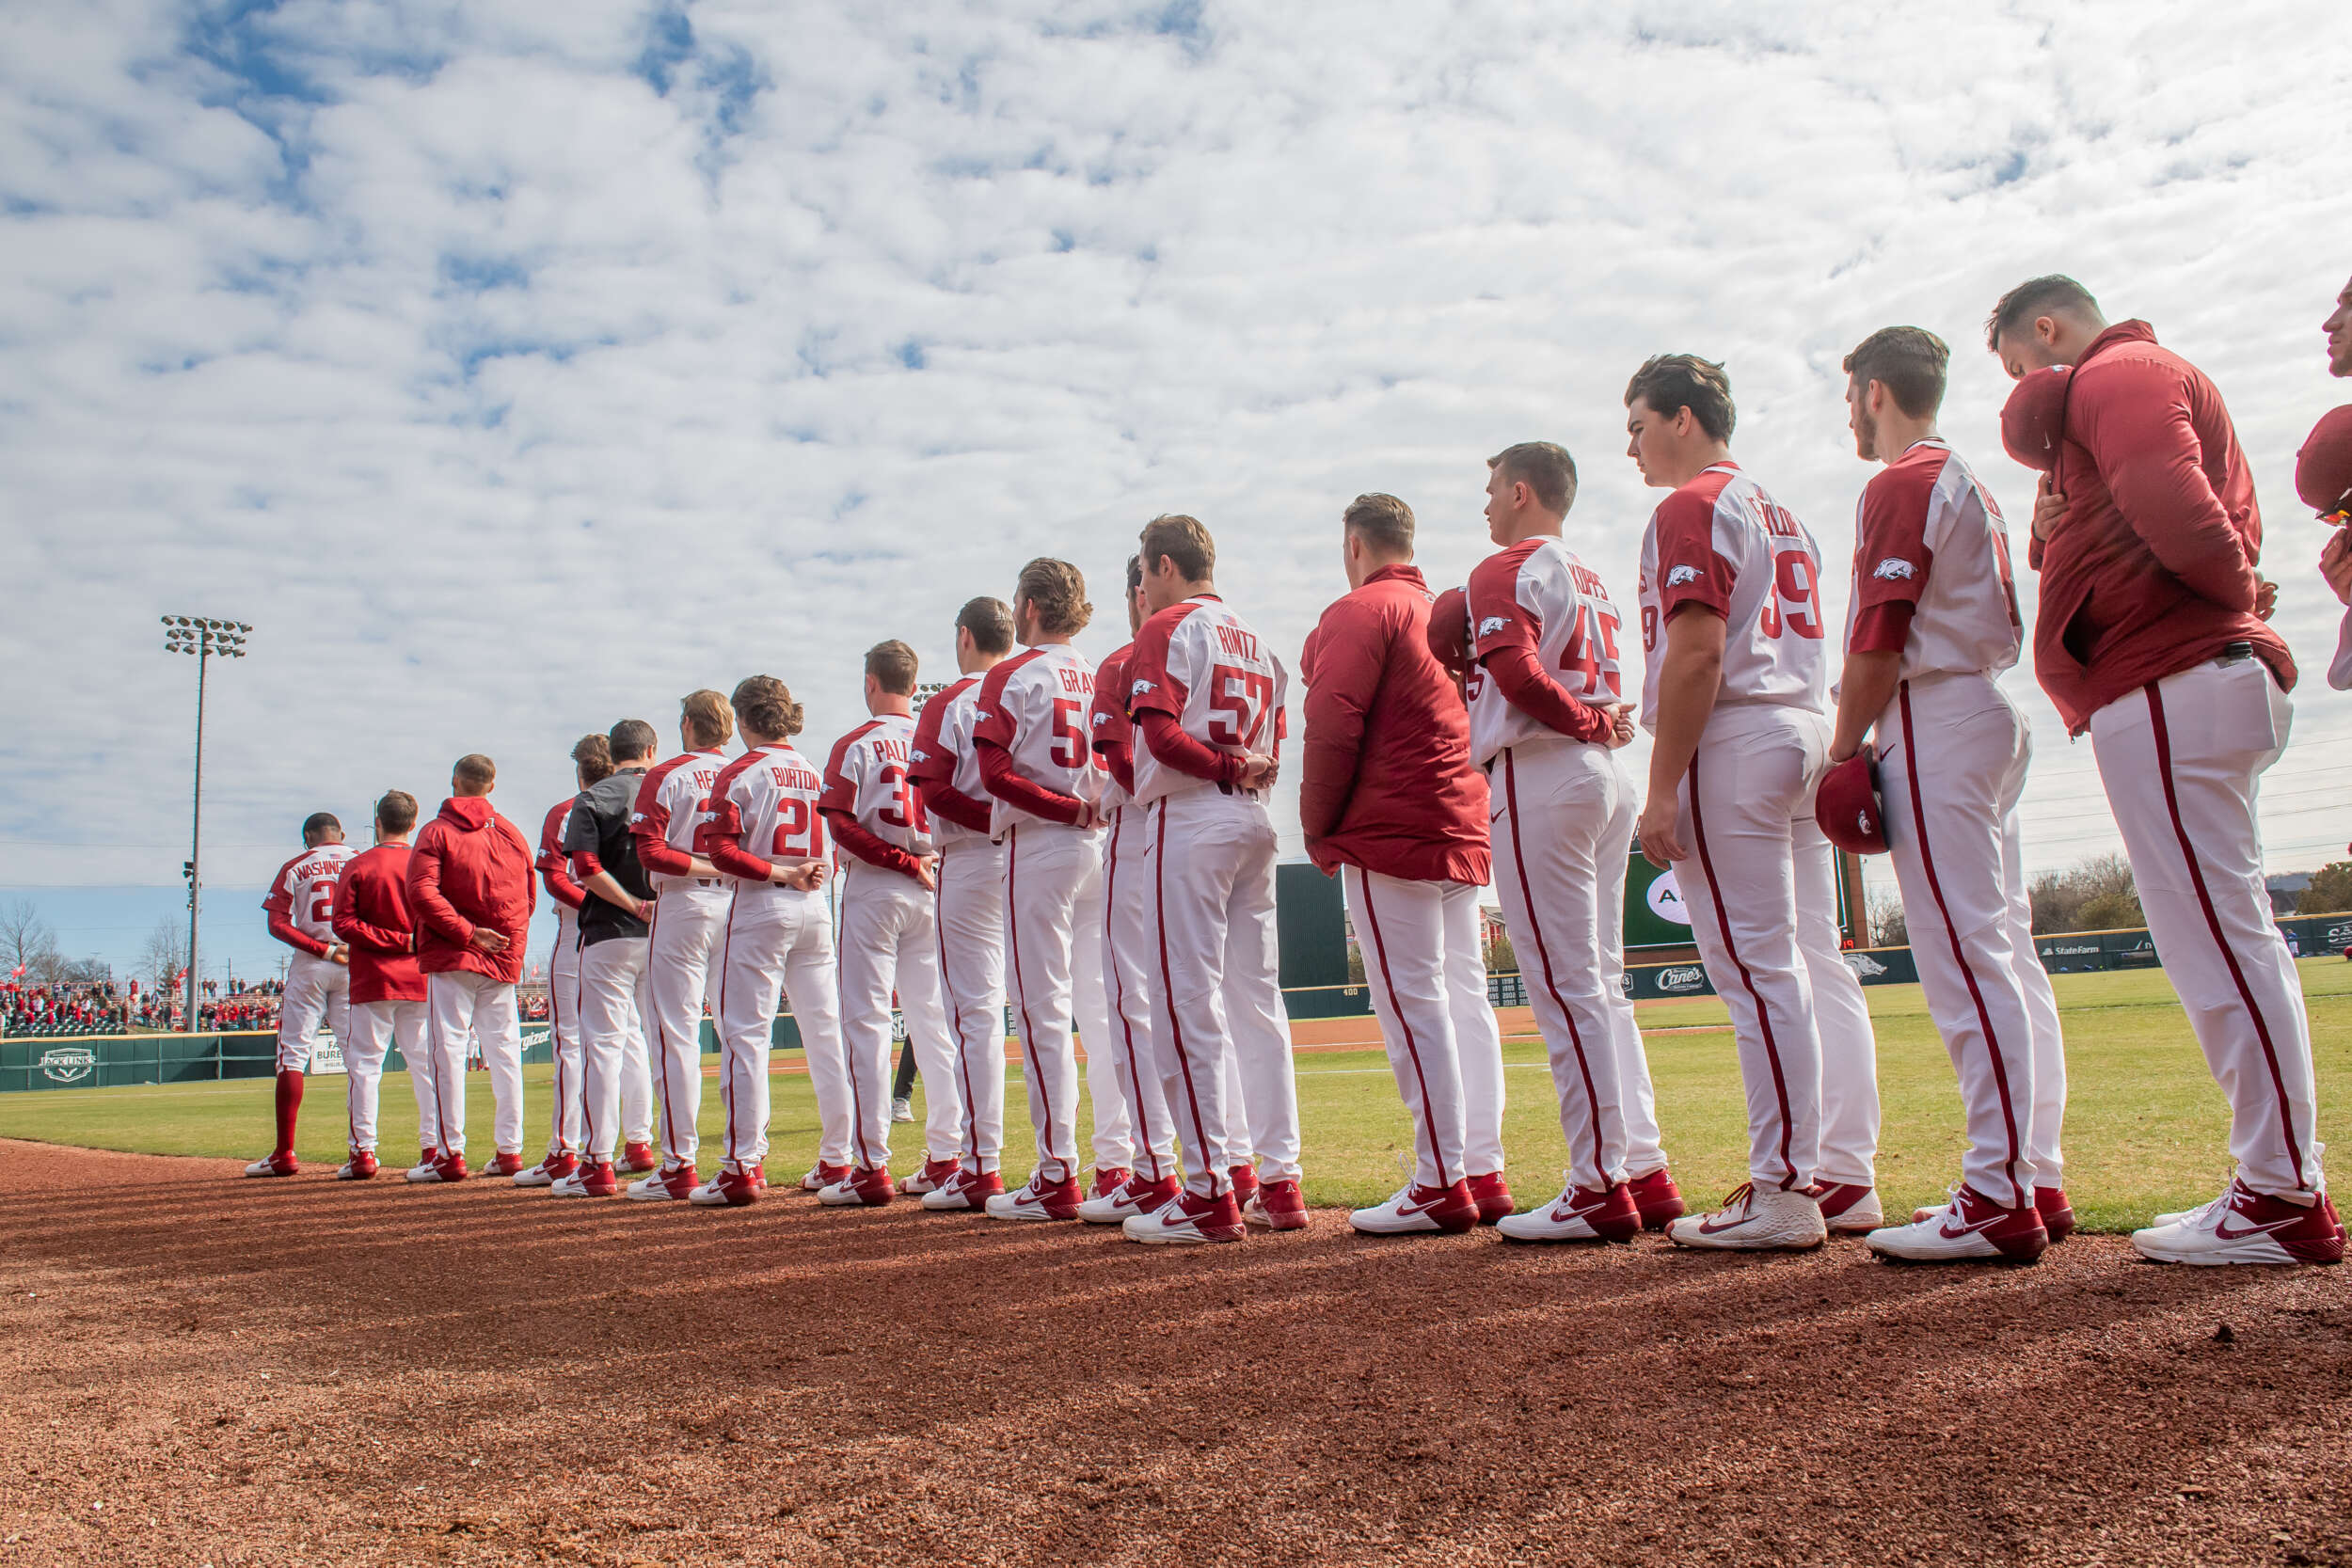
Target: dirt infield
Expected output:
[204,1370]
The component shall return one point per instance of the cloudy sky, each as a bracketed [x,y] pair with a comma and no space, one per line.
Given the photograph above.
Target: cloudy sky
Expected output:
[517,367]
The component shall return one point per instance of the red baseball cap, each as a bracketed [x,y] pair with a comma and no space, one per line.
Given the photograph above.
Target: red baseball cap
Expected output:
[2033,421]
[1846,804]
[2323,469]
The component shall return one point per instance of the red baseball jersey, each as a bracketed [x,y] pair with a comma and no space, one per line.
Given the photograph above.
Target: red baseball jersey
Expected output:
[1930,568]
[1538,595]
[1034,705]
[1722,543]
[303,894]
[1107,723]
[674,801]
[768,800]
[942,750]
[1200,664]
[867,778]
[552,862]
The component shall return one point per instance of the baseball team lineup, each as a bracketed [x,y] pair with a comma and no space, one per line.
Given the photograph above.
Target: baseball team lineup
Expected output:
[1092,848]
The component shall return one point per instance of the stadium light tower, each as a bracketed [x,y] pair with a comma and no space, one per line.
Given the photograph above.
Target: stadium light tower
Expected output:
[202,638]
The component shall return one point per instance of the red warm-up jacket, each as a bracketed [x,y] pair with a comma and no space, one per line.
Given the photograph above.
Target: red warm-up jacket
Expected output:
[372,918]
[470,868]
[2151,569]
[1386,783]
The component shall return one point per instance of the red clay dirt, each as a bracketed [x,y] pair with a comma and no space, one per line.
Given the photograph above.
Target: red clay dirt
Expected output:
[204,1370]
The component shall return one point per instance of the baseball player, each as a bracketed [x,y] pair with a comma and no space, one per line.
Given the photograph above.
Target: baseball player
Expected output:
[387,1005]
[1544,635]
[1036,762]
[1931,625]
[1738,677]
[1388,800]
[969,914]
[1126,941]
[615,1079]
[690,902]
[301,909]
[592,759]
[471,891]
[767,833]
[2150,635]
[889,936]
[1207,693]
[2323,477]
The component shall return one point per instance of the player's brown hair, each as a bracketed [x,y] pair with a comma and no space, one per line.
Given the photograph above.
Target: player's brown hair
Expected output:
[316,826]
[764,705]
[1543,467]
[1183,540]
[1908,361]
[594,757]
[1135,574]
[631,739]
[2036,296]
[474,774]
[396,812]
[1381,521]
[1059,590]
[893,665]
[1672,382]
[707,718]
[989,621]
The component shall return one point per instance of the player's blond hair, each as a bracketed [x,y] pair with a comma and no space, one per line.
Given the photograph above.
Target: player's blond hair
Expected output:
[1058,592]
[1381,521]
[1183,540]
[894,667]
[764,705]
[707,718]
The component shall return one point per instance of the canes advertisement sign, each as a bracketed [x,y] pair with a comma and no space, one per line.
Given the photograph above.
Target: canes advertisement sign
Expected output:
[1655,914]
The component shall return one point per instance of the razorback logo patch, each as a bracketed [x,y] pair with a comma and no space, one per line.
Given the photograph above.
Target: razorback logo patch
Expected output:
[1894,568]
[1492,625]
[1684,574]
[1140,688]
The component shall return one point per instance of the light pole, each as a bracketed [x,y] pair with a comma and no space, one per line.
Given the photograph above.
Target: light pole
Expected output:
[201,637]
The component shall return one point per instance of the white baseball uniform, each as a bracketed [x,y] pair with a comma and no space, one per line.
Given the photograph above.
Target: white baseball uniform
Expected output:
[777,940]
[969,916]
[1127,929]
[564,1039]
[301,907]
[1033,707]
[1931,583]
[689,911]
[1217,992]
[1563,830]
[1763,901]
[889,939]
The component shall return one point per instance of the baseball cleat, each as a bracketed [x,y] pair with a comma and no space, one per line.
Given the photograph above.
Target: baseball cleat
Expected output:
[1416,1209]
[1847,1208]
[726,1189]
[755,1172]
[822,1175]
[589,1180]
[1187,1220]
[669,1184]
[934,1175]
[1577,1214]
[1656,1199]
[1493,1197]
[966,1192]
[443,1167]
[862,1188]
[2243,1226]
[1753,1221]
[637,1157]
[274,1165]
[359,1167]
[1108,1179]
[1278,1206]
[1969,1228]
[548,1172]
[902,1110]
[2057,1215]
[1245,1182]
[503,1163]
[1134,1196]
[1038,1199]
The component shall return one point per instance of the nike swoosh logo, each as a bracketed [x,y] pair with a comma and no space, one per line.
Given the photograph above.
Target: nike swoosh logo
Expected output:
[2224,1233]
[1708,1227]
[1969,1229]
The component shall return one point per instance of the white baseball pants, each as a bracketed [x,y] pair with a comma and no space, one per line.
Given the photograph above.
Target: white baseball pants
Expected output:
[1428,980]
[1952,760]
[1562,832]
[969,919]
[1218,990]
[376,1026]
[564,1126]
[890,942]
[1126,941]
[2180,760]
[317,991]
[1053,924]
[680,975]
[777,940]
[1760,882]
[613,1004]
[461,1007]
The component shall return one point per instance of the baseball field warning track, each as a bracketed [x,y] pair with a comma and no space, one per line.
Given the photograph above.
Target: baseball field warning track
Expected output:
[200,1370]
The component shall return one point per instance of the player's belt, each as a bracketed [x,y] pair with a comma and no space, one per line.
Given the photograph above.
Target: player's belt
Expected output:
[2234,652]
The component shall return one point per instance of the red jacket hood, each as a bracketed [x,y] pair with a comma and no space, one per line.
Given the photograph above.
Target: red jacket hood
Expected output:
[471,812]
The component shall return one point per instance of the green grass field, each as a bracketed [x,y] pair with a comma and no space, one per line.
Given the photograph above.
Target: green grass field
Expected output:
[2146,1128]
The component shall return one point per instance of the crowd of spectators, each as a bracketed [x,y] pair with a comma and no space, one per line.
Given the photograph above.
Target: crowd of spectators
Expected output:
[130,1007]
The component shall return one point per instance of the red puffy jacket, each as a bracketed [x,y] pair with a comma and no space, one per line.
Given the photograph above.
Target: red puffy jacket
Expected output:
[372,918]
[470,868]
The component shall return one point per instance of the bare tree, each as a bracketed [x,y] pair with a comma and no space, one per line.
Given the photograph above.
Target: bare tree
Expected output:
[164,955]
[28,945]
[1889,926]
[2089,896]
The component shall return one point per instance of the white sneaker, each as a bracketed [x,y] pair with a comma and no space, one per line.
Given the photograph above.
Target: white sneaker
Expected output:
[1967,1228]
[2247,1226]
[537,1176]
[573,1185]
[1752,1221]
[663,1186]
[425,1172]
[902,1110]
[1414,1210]
[1131,1197]
[1577,1214]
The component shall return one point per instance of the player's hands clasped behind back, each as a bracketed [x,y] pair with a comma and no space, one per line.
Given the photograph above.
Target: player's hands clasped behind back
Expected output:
[2335,564]
[807,875]
[486,941]
[1257,771]
[927,872]
[1621,726]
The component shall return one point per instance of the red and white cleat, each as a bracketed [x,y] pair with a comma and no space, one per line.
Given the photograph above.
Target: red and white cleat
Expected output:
[504,1164]
[1969,1228]
[1577,1214]
[548,1172]
[441,1168]
[1656,1199]
[2243,1226]
[589,1180]
[822,1175]
[637,1158]
[1131,1197]
[1278,1206]
[671,1184]
[1750,1221]
[934,1175]
[361,1166]
[1038,1199]
[967,1191]
[1493,1195]
[1188,1220]
[1847,1208]
[729,1188]
[862,1188]
[1415,1209]
[274,1164]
